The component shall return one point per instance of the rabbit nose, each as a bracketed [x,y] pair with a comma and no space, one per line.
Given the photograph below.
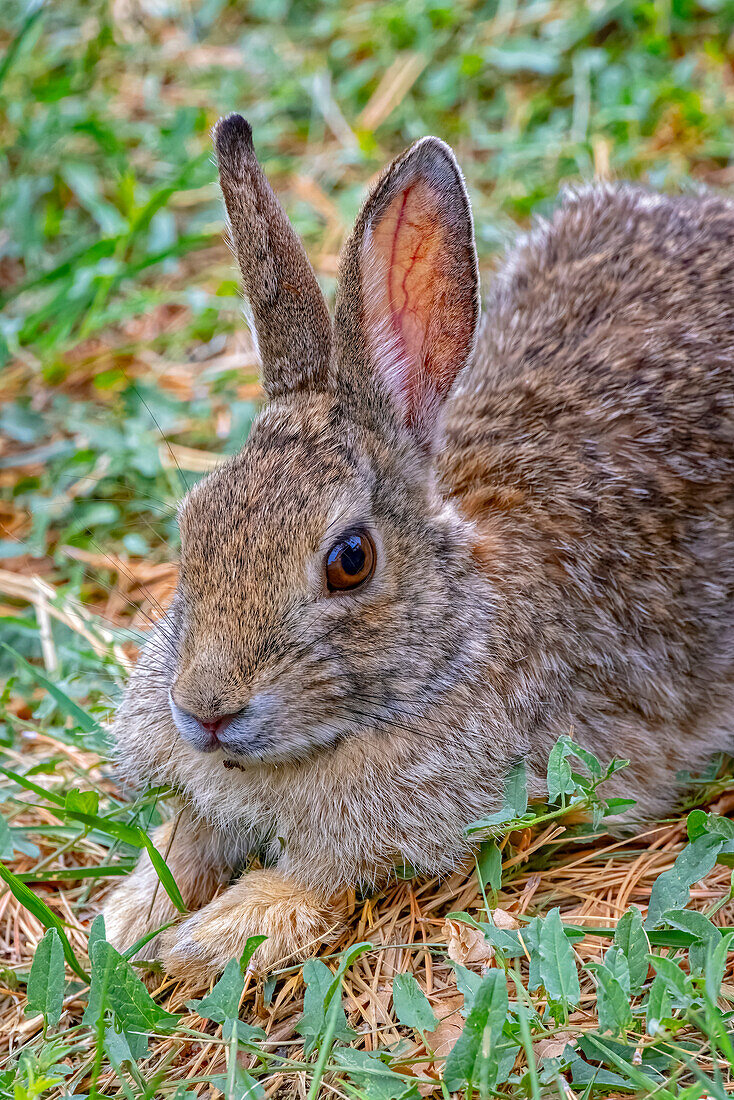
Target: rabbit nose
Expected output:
[214,727]
[196,725]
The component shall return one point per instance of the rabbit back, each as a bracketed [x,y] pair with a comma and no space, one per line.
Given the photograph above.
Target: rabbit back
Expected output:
[591,438]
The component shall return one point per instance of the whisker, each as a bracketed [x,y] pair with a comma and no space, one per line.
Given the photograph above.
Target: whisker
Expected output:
[160,430]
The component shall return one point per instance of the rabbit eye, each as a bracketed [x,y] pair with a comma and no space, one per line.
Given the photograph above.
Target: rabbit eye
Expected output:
[350,562]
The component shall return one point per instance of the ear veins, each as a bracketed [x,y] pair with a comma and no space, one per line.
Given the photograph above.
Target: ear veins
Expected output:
[408,298]
[408,240]
[410,273]
[401,319]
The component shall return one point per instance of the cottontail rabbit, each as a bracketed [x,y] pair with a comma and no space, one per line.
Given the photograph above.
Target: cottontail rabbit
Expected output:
[443,545]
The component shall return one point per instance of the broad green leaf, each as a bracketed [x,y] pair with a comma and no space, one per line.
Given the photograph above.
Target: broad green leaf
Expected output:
[605,1051]
[658,1005]
[319,980]
[613,1005]
[701,928]
[558,971]
[717,955]
[321,987]
[504,939]
[116,1046]
[671,890]
[675,979]
[616,963]
[46,980]
[96,932]
[374,1079]
[515,801]
[699,822]
[333,1016]
[631,938]
[222,1005]
[102,969]
[587,758]
[594,1077]
[530,936]
[115,985]
[559,780]
[13,840]
[253,942]
[698,924]
[489,865]
[46,916]
[472,1060]
[411,1004]
[516,789]
[467,982]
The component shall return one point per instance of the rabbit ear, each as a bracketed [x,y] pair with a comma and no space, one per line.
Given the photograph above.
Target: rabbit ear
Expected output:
[291,321]
[408,301]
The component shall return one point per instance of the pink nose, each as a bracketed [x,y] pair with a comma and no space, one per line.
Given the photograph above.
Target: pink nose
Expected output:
[214,727]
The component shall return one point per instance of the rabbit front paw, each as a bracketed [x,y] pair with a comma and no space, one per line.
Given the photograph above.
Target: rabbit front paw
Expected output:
[133,910]
[295,920]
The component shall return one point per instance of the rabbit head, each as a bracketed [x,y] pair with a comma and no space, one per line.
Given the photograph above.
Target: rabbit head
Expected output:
[324,584]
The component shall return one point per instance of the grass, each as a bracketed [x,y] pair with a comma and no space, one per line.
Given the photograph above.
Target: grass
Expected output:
[126,371]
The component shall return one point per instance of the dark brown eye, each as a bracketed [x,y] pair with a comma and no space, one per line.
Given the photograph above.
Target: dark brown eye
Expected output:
[350,562]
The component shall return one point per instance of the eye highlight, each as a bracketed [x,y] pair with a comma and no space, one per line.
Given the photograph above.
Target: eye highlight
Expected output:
[350,562]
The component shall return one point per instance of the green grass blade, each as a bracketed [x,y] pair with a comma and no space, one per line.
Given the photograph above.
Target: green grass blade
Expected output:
[67,705]
[46,916]
[14,48]
[128,834]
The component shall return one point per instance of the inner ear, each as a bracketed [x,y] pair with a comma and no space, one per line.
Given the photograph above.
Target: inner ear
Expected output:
[419,281]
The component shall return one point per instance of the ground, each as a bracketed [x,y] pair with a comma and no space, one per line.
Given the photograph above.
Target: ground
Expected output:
[127,370]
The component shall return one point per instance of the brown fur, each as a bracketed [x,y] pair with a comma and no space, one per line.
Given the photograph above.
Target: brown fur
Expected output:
[295,920]
[142,903]
[291,321]
[554,544]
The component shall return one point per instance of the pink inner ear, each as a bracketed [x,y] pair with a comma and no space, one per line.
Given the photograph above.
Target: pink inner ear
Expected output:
[418,298]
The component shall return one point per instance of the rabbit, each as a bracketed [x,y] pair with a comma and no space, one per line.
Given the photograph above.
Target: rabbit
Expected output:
[444,544]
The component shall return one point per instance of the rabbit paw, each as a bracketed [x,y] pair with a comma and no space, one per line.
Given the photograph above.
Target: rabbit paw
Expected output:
[200,861]
[295,920]
[132,910]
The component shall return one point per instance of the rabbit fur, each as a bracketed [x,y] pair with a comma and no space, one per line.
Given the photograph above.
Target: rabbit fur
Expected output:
[550,495]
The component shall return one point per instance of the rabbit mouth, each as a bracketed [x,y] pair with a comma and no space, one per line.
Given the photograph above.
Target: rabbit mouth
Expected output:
[254,735]
[237,734]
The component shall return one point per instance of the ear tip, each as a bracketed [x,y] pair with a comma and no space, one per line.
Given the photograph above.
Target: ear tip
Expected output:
[434,149]
[430,141]
[232,134]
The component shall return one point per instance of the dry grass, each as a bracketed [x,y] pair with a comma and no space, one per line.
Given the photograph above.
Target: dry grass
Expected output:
[593,880]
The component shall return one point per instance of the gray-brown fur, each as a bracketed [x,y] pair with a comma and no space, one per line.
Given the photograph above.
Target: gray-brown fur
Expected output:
[291,320]
[556,552]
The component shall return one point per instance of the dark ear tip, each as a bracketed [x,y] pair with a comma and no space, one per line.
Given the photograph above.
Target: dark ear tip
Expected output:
[232,134]
[433,149]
